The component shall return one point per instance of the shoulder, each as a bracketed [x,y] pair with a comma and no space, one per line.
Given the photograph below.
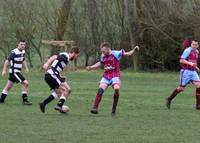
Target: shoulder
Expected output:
[102,57]
[17,51]
[118,53]
[64,55]
[14,51]
[189,49]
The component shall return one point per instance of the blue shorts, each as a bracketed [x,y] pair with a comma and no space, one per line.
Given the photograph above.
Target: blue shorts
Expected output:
[188,76]
[113,81]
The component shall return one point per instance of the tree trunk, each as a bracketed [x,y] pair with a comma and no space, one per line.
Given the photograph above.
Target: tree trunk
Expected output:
[132,18]
[63,14]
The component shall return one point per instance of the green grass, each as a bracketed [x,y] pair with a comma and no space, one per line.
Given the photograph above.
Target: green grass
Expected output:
[142,116]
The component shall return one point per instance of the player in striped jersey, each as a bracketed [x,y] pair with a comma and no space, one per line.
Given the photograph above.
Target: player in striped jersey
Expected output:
[60,88]
[16,61]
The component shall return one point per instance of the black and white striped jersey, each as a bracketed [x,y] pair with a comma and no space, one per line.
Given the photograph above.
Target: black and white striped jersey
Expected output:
[16,59]
[59,64]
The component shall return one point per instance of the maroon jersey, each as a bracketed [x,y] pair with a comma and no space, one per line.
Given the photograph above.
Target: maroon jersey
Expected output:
[190,55]
[112,64]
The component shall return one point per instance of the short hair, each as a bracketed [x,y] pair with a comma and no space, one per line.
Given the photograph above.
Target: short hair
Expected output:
[75,50]
[22,40]
[195,40]
[105,44]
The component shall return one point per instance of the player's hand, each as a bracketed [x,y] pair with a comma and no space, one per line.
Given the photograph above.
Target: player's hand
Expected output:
[45,66]
[3,73]
[89,68]
[193,65]
[137,48]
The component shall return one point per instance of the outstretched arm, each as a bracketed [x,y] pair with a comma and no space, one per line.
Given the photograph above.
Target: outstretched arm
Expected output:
[49,62]
[6,63]
[132,51]
[93,67]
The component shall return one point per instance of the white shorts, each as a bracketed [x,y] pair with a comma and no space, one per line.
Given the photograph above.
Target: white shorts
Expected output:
[113,81]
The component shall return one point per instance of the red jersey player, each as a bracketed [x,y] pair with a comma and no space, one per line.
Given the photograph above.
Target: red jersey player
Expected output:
[188,73]
[110,59]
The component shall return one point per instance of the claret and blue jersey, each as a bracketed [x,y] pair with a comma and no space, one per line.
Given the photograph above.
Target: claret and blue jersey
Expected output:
[111,65]
[188,73]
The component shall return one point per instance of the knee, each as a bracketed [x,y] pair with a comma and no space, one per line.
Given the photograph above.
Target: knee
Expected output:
[66,91]
[116,87]
[100,91]
[25,83]
[181,89]
[69,90]
[198,85]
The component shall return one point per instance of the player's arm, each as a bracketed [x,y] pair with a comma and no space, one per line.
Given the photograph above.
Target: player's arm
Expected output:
[49,62]
[132,51]
[93,67]
[6,63]
[25,66]
[183,61]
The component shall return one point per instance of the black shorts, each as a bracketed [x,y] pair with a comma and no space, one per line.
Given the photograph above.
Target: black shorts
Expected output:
[16,77]
[53,81]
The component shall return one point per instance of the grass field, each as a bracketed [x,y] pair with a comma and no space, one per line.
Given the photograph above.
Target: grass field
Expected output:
[142,116]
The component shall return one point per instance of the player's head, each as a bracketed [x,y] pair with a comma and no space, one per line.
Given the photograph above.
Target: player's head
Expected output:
[105,48]
[195,44]
[21,44]
[74,52]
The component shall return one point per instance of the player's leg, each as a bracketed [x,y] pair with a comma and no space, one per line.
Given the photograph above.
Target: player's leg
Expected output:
[184,80]
[54,85]
[5,91]
[104,83]
[64,92]
[116,86]
[115,98]
[173,95]
[24,85]
[49,99]
[196,82]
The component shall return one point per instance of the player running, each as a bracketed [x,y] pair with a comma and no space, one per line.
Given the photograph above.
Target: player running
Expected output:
[60,88]
[16,61]
[188,73]
[110,59]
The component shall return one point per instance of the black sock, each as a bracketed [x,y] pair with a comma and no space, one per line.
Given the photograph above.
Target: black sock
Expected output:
[49,99]
[61,102]
[24,97]
[3,97]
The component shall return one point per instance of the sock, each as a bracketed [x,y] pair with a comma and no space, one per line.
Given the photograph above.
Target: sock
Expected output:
[61,101]
[173,95]
[115,100]
[3,95]
[198,97]
[50,98]
[98,98]
[97,101]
